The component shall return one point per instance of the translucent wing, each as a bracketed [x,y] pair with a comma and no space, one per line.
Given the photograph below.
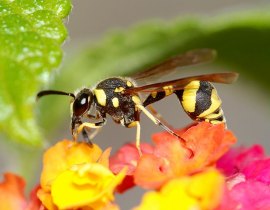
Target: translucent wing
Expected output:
[187,59]
[178,84]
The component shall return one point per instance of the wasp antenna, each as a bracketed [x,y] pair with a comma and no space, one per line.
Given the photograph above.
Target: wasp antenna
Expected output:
[53,92]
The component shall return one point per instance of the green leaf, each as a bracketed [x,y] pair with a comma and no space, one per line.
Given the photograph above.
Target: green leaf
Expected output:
[31,34]
[241,40]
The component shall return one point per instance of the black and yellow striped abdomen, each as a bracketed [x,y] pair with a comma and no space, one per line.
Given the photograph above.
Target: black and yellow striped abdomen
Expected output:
[201,102]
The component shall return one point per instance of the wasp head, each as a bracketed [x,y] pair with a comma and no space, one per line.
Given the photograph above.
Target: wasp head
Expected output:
[80,103]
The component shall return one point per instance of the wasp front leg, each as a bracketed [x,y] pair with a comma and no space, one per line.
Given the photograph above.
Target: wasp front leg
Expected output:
[96,117]
[82,129]
[97,129]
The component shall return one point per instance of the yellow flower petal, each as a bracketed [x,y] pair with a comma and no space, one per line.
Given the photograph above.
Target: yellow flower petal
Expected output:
[62,156]
[202,191]
[77,176]
[90,185]
[208,187]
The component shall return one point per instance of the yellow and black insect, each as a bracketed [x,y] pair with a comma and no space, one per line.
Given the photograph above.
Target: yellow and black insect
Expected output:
[121,97]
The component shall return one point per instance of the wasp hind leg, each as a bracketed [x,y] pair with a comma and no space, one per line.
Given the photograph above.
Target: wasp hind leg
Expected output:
[158,122]
[158,116]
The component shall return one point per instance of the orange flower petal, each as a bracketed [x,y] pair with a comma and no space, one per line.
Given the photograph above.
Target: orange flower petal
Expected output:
[169,159]
[208,142]
[156,172]
[153,170]
[46,199]
[11,193]
[104,158]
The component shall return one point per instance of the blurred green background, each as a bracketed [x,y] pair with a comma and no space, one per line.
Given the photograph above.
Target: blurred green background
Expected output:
[119,37]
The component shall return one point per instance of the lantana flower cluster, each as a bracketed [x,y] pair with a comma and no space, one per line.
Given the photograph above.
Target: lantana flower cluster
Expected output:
[204,174]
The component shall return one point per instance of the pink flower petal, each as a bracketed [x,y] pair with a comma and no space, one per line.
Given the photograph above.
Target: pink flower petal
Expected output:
[258,170]
[251,195]
[238,158]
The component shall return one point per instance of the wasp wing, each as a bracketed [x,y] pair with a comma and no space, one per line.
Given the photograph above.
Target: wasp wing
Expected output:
[187,59]
[179,84]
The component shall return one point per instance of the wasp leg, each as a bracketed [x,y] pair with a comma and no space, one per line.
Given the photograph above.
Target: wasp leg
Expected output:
[83,126]
[97,116]
[95,132]
[158,122]
[158,116]
[154,97]
[86,137]
[138,137]
[90,116]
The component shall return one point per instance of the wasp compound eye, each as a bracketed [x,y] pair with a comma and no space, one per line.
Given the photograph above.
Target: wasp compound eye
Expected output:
[81,104]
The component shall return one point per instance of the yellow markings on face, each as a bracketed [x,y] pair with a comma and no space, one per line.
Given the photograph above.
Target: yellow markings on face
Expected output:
[189,96]
[215,104]
[119,89]
[115,102]
[154,94]
[136,99]
[129,84]
[101,96]
[168,90]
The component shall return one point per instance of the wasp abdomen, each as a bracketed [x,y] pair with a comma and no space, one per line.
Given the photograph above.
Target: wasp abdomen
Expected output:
[201,102]
[157,96]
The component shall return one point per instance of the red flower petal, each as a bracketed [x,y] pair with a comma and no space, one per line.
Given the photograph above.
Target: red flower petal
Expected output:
[128,156]
[126,184]
[34,203]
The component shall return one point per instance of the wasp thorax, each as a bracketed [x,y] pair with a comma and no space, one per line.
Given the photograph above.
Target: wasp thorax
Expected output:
[82,102]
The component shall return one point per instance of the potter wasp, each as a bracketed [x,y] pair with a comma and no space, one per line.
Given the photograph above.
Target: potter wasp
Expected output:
[121,97]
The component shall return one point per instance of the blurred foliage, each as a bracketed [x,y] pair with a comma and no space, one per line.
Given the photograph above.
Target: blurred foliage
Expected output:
[241,40]
[31,35]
